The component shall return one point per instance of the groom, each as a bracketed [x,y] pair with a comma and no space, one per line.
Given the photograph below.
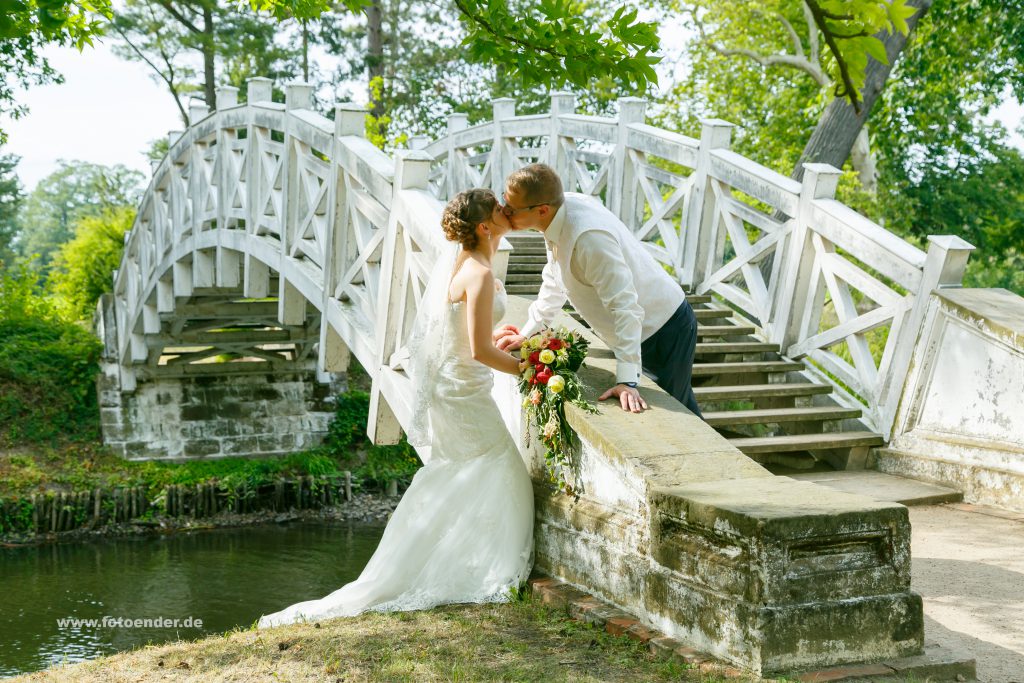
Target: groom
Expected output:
[622,292]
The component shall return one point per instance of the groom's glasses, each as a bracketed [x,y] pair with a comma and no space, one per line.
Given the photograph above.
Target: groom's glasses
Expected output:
[511,211]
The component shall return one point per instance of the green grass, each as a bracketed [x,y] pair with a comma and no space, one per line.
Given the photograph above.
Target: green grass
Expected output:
[517,641]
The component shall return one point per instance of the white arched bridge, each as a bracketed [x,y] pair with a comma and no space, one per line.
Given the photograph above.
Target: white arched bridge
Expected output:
[273,244]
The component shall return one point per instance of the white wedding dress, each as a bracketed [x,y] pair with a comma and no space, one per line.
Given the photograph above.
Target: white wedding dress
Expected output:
[463,531]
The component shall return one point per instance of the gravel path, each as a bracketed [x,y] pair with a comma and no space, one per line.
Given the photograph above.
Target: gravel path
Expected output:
[968,564]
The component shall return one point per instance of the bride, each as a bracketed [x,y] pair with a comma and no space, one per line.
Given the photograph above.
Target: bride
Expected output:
[463,531]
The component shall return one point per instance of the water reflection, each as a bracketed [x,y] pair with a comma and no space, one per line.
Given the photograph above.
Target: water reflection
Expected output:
[225,577]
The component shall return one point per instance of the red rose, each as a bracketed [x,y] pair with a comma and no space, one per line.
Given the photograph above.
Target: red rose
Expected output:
[535,357]
[555,344]
[540,367]
[544,375]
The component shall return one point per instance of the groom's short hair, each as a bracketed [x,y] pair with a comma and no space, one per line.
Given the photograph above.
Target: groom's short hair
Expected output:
[537,184]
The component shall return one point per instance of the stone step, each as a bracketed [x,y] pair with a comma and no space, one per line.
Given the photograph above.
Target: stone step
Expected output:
[695,299]
[527,258]
[778,390]
[518,239]
[724,330]
[806,442]
[522,279]
[523,290]
[736,347]
[712,313]
[881,486]
[528,251]
[705,369]
[525,268]
[726,418]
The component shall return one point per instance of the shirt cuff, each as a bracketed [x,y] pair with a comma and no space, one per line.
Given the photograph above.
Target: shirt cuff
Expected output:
[627,372]
[531,328]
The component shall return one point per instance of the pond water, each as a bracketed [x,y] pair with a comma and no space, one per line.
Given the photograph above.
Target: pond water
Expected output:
[225,577]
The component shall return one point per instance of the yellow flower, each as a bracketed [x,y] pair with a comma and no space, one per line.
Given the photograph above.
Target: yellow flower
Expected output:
[524,351]
[556,384]
[547,356]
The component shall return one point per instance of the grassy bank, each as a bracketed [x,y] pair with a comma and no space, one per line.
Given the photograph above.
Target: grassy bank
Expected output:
[82,467]
[519,641]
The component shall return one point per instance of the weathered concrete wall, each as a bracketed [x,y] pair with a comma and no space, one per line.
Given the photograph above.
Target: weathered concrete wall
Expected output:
[680,528]
[961,416]
[249,413]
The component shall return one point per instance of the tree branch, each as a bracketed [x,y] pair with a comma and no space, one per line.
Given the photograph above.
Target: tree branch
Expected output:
[486,25]
[179,16]
[812,32]
[165,79]
[844,68]
[798,46]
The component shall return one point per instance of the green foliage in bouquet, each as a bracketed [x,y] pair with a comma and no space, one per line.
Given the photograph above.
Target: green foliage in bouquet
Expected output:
[547,385]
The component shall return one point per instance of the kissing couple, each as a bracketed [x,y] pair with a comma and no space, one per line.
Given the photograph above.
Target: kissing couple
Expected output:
[463,531]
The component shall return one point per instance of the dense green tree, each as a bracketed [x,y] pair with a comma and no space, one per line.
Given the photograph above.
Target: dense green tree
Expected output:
[26,27]
[11,197]
[83,268]
[75,190]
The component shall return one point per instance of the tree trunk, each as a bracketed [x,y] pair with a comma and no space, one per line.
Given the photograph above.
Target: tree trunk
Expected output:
[375,54]
[864,162]
[209,55]
[839,125]
[305,51]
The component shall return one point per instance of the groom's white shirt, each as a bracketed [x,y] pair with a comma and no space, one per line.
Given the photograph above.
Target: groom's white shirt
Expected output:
[608,276]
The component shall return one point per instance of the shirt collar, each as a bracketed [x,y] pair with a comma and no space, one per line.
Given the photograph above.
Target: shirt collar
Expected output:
[554,230]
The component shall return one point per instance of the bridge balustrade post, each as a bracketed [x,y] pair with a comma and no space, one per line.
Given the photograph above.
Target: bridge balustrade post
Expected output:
[228,260]
[944,267]
[622,198]
[503,148]
[197,111]
[456,157]
[702,219]
[256,274]
[259,89]
[558,158]
[799,299]
[417,142]
[333,354]
[412,171]
[226,96]
[291,305]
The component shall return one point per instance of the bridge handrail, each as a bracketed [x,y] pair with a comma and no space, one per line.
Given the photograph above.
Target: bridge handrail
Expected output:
[777,250]
[290,191]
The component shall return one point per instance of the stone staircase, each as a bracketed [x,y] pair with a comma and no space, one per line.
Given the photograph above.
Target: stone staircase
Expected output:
[766,405]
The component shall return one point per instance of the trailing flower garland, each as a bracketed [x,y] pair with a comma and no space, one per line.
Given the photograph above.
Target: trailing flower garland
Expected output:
[547,384]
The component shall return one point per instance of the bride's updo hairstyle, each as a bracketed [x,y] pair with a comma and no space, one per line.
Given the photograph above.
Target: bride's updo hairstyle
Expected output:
[466,211]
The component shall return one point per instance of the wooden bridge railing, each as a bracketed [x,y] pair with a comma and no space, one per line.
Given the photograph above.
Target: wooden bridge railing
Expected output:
[827,284]
[265,188]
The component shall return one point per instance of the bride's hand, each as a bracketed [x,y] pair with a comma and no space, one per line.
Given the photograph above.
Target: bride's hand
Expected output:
[510,342]
[503,331]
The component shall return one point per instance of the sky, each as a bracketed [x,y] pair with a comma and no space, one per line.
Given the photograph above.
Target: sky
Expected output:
[108,110]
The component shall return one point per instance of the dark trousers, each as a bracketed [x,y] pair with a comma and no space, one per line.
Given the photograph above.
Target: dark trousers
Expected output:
[668,356]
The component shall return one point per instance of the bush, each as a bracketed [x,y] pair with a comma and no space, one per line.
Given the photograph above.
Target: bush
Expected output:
[48,367]
[83,268]
[347,442]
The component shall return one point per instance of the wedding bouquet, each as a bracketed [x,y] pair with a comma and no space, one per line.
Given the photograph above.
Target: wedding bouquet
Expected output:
[547,384]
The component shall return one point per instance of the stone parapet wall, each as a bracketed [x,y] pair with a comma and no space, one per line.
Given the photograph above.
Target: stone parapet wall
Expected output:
[231,413]
[962,409]
[678,527]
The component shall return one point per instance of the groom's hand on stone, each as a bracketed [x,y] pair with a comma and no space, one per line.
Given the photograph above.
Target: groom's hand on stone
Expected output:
[629,398]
